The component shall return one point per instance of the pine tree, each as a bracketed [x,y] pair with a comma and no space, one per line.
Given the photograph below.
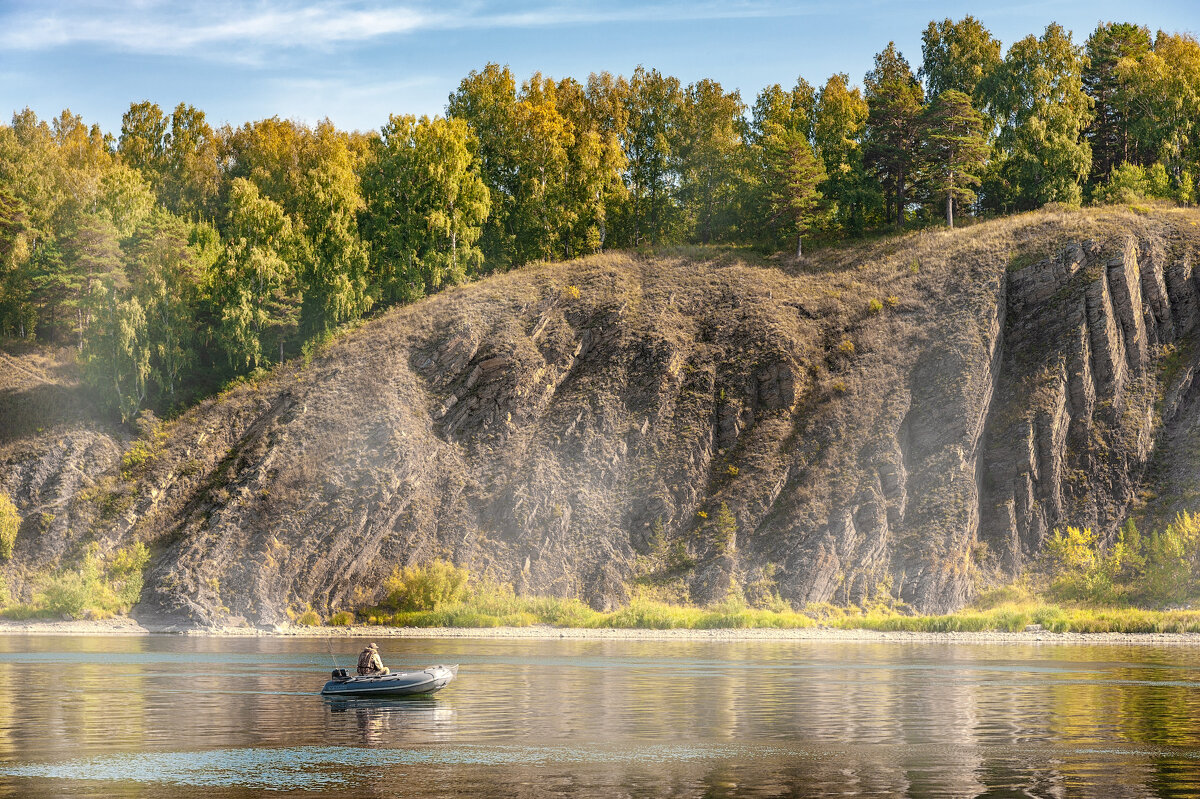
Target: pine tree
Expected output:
[893,126]
[794,172]
[1110,132]
[955,148]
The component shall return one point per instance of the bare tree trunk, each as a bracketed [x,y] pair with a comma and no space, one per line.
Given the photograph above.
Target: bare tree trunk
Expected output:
[950,211]
[800,246]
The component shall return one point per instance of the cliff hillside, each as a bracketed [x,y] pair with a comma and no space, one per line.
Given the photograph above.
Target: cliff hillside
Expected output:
[907,417]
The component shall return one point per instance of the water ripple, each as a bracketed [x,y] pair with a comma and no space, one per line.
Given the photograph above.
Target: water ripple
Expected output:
[324,767]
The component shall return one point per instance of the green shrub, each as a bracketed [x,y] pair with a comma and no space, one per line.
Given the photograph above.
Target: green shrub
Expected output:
[309,618]
[874,306]
[138,454]
[68,594]
[94,588]
[10,523]
[124,574]
[724,529]
[1130,183]
[1158,569]
[426,587]
[343,618]
[648,616]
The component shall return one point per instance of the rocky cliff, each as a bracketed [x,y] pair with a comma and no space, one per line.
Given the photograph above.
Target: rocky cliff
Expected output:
[907,417]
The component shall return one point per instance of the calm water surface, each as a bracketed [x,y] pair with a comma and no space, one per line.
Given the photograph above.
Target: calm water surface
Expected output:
[187,717]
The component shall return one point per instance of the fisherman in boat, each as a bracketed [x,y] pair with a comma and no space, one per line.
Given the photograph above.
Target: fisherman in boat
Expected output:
[369,664]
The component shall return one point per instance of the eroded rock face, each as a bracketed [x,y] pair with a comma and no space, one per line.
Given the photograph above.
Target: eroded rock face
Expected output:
[561,443]
[1079,405]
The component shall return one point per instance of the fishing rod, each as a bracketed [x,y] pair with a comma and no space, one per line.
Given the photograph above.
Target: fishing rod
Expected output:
[331,657]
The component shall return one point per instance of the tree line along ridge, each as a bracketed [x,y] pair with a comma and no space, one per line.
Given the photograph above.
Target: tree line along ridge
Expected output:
[177,256]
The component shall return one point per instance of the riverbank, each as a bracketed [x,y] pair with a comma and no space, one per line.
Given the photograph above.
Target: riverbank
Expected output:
[124,625]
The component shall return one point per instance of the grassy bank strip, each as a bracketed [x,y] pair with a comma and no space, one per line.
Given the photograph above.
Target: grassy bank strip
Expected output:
[639,614]
[651,615]
[1015,618]
[440,594]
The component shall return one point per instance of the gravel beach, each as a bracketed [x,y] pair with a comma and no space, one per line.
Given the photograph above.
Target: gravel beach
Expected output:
[128,626]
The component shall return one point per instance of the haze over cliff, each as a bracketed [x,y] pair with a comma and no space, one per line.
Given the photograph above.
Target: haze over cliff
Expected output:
[907,417]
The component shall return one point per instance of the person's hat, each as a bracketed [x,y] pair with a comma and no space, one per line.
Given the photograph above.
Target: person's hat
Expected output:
[373,645]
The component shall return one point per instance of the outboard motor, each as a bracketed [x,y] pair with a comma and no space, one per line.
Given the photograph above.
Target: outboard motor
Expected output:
[340,675]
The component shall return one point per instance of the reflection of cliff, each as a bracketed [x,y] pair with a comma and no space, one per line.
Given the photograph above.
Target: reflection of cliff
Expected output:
[601,719]
[886,417]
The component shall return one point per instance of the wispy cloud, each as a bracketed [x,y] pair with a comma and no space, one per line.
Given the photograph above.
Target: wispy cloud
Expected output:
[155,27]
[237,27]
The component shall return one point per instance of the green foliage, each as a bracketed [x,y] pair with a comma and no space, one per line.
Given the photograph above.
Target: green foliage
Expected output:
[116,354]
[723,529]
[1036,96]
[69,593]
[1073,561]
[123,574]
[652,106]
[1159,105]
[10,523]
[1110,132]
[1017,616]
[140,452]
[1080,574]
[1130,183]
[428,587]
[1159,569]
[512,611]
[894,126]
[957,56]
[710,159]
[187,256]
[955,148]
[840,120]
[255,282]
[96,587]
[425,206]
[309,618]
[342,618]
[792,175]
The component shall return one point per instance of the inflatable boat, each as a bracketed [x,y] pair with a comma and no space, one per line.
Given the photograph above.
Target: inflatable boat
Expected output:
[401,683]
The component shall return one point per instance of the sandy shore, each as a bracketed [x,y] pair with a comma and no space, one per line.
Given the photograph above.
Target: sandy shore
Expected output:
[128,626]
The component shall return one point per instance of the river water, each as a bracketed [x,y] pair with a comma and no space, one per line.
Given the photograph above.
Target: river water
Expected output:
[210,717]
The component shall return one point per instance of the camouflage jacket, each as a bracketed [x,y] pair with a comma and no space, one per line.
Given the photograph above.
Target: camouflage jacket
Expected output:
[368,661]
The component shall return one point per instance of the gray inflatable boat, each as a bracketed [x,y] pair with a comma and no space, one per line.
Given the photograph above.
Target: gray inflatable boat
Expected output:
[401,683]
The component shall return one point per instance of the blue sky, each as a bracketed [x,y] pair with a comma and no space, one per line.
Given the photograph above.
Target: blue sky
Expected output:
[356,61]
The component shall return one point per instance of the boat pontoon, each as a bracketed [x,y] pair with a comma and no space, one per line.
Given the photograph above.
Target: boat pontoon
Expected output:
[401,683]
